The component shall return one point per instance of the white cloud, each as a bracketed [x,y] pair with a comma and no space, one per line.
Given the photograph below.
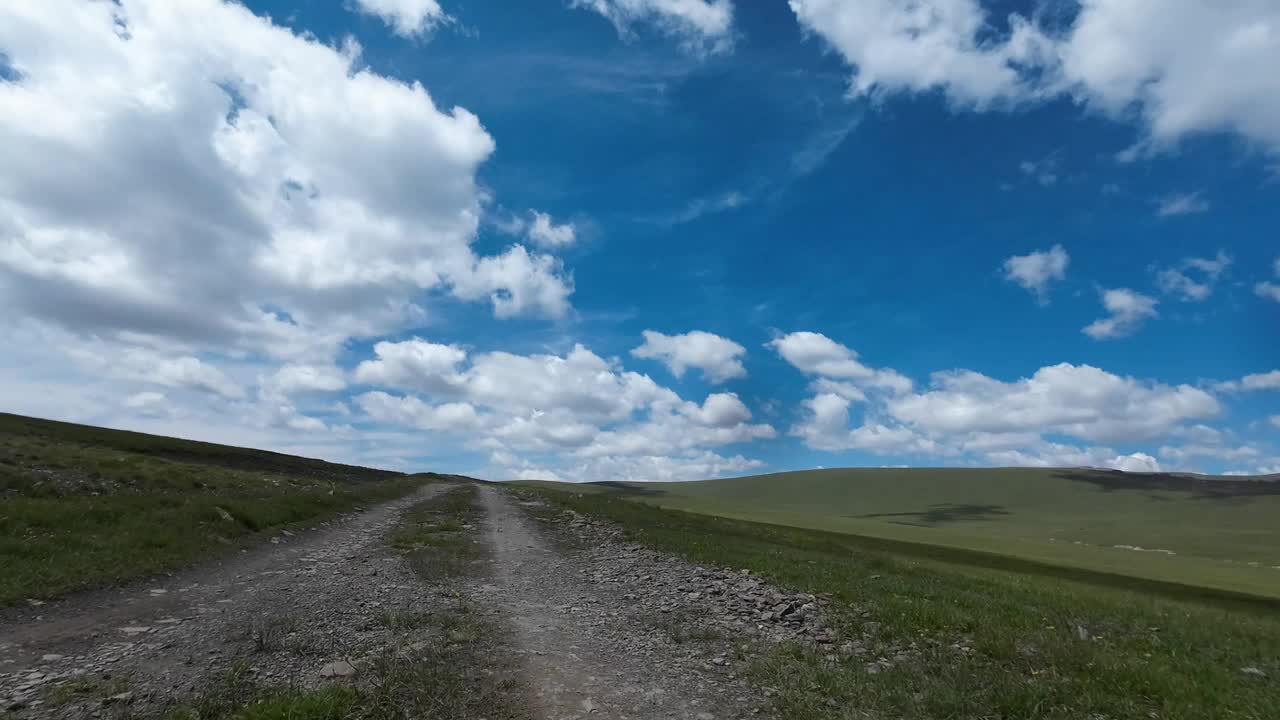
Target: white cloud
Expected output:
[1044,172]
[1135,462]
[701,25]
[518,283]
[1037,270]
[1211,267]
[924,45]
[545,233]
[1256,381]
[413,364]
[1181,68]
[1269,290]
[1182,204]
[148,403]
[454,417]
[584,408]
[292,377]
[405,17]
[1047,454]
[816,354]
[1175,280]
[1261,381]
[1126,310]
[1075,400]
[717,357]
[221,181]
[1181,454]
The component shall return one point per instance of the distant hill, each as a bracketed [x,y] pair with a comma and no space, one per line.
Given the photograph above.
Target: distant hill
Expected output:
[1210,530]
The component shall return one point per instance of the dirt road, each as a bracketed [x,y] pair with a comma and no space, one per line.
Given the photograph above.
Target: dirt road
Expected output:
[600,627]
[589,652]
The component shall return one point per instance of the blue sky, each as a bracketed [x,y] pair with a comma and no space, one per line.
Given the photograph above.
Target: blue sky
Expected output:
[434,235]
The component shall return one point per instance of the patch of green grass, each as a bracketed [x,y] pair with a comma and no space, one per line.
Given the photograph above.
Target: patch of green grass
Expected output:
[333,703]
[930,639]
[403,619]
[82,508]
[1207,531]
[438,534]
[86,687]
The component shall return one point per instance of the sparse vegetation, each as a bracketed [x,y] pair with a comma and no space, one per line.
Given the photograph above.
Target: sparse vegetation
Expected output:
[86,507]
[923,638]
[449,664]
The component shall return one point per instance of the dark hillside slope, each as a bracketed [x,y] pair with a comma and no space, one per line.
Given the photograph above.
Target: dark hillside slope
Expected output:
[82,507]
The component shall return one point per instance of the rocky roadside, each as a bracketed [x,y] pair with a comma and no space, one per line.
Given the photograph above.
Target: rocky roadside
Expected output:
[719,601]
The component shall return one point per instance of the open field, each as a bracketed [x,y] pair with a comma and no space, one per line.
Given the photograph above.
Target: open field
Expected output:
[1212,532]
[931,639]
[84,507]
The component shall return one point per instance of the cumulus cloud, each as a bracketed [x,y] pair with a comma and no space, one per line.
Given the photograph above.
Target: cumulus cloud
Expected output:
[922,46]
[1120,57]
[1077,400]
[1046,454]
[717,357]
[816,354]
[1269,290]
[1037,270]
[293,377]
[700,25]
[586,410]
[1177,282]
[545,233]
[407,18]
[200,174]
[967,415]
[1126,311]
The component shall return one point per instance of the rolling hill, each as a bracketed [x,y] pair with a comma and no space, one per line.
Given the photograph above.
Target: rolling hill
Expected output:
[1213,532]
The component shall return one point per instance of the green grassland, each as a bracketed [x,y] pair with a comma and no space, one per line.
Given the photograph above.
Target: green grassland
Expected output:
[918,637]
[1221,533]
[83,507]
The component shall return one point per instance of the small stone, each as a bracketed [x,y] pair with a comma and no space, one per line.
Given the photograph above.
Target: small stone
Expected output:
[118,699]
[135,629]
[51,657]
[341,668]
[1256,672]
[1082,632]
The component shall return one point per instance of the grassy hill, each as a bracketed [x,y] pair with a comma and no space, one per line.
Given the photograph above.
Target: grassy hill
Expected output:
[1204,531]
[83,507]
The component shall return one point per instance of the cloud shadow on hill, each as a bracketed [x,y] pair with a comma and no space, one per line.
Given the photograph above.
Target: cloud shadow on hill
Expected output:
[943,514]
[1201,487]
